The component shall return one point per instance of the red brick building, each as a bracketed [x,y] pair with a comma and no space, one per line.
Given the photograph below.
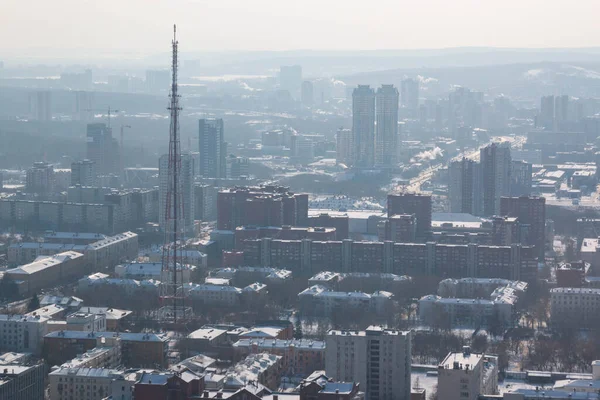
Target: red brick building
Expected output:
[260,206]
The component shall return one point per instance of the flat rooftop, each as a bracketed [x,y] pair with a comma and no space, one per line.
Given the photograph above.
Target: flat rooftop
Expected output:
[207,333]
[463,359]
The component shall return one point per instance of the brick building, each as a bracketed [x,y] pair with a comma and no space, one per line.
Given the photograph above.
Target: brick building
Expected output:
[531,212]
[418,205]
[139,350]
[341,223]
[260,206]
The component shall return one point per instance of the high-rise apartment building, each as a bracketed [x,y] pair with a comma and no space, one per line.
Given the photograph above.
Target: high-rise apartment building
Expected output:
[213,149]
[83,106]
[378,358]
[531,212]
[307,94]
[186,190]
[237,167]
[83,173]
[40,106]
[344,146]
[290,79]
[363,126]
[545,119]
[464,186]
[102,148]
[561,111]
[205,198]
[40,178]
[386,136]
[495,171]
[158,80]
[418,205]
[521,178]
[410,94]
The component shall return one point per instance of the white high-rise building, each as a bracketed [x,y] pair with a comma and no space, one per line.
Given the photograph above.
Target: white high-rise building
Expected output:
[379,359]
[410,94]
[186,190]
[344,146]
[363,126]
[386,136]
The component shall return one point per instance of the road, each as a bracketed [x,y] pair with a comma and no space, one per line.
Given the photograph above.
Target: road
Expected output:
[473,154]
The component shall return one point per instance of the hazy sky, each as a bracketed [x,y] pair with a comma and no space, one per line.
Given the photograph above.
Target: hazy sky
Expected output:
[145,25]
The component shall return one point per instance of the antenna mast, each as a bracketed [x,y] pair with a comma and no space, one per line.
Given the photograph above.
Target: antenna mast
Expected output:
[172,290]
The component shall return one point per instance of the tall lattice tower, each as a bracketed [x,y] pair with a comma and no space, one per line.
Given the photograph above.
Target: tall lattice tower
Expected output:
[172,291]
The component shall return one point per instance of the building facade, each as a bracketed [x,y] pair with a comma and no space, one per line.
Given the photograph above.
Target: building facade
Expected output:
[380,359]
[102,148]
[22,382]
[418,205]
[466,375]
[83,173]
[363,126]
[212,147]
[344,141]
[495,171]
[464,187]
[386,134]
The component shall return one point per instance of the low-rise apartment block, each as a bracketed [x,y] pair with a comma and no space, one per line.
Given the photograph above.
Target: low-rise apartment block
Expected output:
[515,262]
[300,356]
[22,333]
[575,307]
[223,295]
[500,309]
[48,271]
[139,350]
[471,288]
[262,368]
[153,270]
[103,252]
[320,300]
[81,383]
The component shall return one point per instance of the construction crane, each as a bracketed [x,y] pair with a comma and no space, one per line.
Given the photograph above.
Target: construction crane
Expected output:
[108,112]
